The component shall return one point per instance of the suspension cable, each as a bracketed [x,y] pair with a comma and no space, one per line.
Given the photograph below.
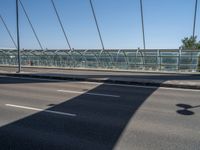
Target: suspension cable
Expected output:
[142,18]
[195,17]
[95,18]
[31,25]
[4,23]
[61,25]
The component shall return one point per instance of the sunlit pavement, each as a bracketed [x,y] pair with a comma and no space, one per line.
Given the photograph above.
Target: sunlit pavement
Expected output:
[51,114]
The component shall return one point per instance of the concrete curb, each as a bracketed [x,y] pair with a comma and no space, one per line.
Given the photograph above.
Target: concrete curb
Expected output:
[106,70]
[100,80]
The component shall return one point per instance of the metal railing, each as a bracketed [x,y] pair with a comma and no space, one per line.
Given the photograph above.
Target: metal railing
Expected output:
[124,59]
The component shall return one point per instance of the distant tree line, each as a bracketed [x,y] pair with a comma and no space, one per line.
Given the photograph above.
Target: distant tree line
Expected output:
[190,43]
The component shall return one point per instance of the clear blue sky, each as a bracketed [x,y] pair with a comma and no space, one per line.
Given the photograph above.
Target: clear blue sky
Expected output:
[166,23]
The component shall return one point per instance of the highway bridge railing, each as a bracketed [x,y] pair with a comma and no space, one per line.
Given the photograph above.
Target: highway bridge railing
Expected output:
[116,59]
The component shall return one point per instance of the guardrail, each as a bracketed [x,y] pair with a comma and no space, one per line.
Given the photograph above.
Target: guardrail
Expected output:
[129,59]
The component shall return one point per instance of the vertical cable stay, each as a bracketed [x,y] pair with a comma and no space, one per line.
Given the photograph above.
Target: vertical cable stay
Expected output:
[142,18]
[61,25]
[195,17]
[34,32]
[18,40]
[95,18]
[4,23]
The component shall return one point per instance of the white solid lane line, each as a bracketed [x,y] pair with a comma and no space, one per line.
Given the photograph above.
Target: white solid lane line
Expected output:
[43,110]
[88,93]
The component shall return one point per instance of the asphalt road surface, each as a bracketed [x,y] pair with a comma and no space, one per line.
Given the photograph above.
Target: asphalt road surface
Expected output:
[61,115]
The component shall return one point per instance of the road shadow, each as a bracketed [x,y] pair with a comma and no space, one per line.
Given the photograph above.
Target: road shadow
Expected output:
[99,123]
[186,109]
[148,79]
[20,80]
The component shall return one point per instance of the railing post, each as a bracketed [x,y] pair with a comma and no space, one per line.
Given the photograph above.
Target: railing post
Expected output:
[160,60]
[179,58]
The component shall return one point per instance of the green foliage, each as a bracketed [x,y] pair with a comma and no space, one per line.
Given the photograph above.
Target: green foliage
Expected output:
[190,43]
